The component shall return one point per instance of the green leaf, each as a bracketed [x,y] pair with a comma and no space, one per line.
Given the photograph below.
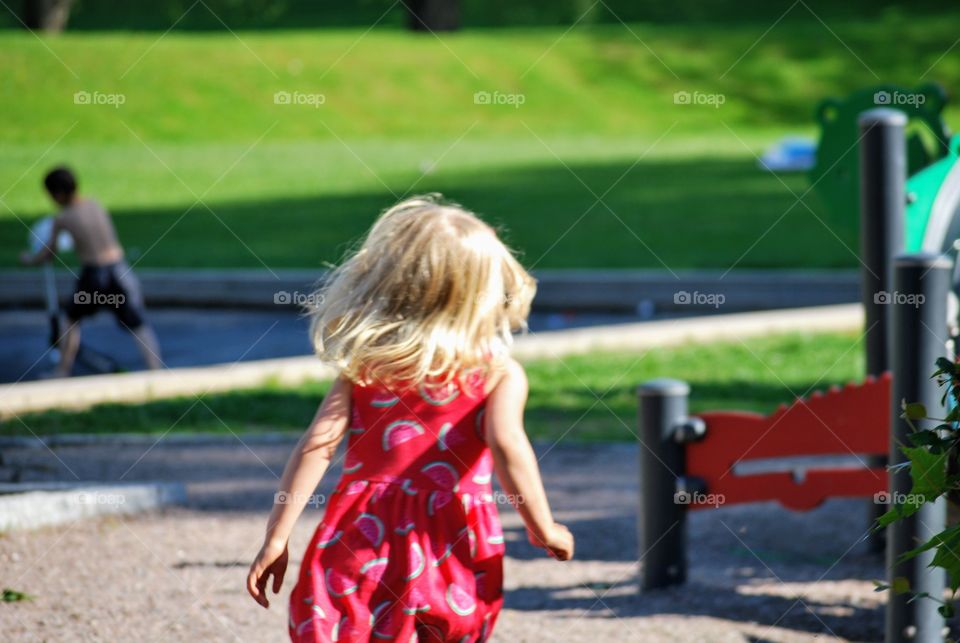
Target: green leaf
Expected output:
[945,547]
[13,596]
[928,471]
[946,610]
[897,512]
[900,585]
[928,439]
[927,460]
[914,410]
[953,415]
[946,366]
[946,558]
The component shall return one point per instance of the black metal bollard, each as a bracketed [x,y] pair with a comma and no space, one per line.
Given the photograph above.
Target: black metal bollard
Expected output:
[664,426]
[883,179]
[919,312]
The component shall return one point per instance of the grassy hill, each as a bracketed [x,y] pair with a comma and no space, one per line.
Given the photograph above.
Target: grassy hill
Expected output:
[202,167]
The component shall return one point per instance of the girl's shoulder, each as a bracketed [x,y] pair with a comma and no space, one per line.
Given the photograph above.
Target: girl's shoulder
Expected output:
[510,374]
[473,383]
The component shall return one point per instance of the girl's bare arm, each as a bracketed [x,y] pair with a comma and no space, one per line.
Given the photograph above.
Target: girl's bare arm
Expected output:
[309,461]
[305,468]
[516,464]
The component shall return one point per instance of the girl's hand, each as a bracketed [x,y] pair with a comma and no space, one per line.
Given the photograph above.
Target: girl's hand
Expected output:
[272,559]
[557,540]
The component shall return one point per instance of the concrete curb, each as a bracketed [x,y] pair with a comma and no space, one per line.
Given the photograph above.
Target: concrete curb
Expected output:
[33,505]
[606,290]
[65,440]
[141,386]
[144,386]
[691,330]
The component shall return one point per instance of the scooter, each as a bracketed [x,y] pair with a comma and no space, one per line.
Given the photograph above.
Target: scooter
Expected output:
[88,357]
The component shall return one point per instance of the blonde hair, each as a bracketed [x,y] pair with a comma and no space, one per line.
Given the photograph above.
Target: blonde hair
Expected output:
[431,293]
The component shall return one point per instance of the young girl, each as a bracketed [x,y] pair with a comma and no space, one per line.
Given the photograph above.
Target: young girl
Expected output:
[411,547]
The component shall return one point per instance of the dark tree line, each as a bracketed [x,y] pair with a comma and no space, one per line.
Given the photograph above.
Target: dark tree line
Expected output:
[46,15]
[433,15]
[423,15]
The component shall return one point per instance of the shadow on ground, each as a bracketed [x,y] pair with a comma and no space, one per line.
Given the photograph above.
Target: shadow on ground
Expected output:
[751,564]
[787,612]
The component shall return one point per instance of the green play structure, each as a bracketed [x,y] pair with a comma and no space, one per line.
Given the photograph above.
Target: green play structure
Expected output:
[933,186]
[933,195]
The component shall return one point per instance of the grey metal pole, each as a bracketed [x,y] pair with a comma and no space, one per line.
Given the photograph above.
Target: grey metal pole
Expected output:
[883,179]
[662,520]
[919,311]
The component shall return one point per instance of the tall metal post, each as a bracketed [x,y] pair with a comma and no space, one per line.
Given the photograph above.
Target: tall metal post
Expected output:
[883,179]
[662,520]
[919,310]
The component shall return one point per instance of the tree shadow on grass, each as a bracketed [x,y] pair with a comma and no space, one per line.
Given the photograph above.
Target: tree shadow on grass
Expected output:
[670,213]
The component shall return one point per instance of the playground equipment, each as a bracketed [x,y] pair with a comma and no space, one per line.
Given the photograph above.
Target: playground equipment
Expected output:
[933,203]
[836,172]
[931,220]
[691,463]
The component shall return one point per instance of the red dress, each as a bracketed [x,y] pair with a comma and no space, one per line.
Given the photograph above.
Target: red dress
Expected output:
[410,547]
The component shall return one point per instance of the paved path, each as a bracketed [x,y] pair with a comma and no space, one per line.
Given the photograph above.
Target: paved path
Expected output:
[623,290]
[79,392]
[190,337]
[758,573]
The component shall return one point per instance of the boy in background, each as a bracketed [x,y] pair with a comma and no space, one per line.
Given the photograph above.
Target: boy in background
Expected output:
[105,281]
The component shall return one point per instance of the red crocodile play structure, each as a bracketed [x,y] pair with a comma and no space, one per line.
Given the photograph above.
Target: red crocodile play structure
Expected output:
[851,421]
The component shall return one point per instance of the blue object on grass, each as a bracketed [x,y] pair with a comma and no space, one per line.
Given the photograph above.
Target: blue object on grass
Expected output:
[790,154]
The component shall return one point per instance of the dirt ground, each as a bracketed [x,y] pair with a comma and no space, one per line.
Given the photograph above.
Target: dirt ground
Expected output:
[757,573]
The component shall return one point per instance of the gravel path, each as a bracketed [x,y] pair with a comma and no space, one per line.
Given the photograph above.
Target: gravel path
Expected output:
[757,573]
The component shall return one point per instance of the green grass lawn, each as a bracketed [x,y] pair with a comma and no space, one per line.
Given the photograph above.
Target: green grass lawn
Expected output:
[293,186]
[542,208]
[589,397]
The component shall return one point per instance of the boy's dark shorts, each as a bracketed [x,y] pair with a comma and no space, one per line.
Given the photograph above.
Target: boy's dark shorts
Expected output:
[113,287]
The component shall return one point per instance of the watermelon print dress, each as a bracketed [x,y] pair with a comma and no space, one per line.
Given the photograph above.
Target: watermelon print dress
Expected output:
[410,547]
